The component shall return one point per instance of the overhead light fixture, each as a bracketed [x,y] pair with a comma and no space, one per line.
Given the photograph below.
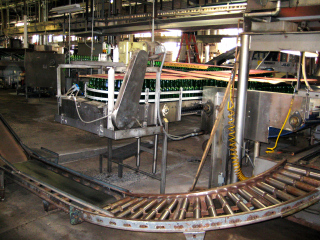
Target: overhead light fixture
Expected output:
[298,53]
[67,9]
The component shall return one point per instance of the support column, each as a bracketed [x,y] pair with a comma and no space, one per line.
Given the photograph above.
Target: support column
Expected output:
[25,33]
[241,98]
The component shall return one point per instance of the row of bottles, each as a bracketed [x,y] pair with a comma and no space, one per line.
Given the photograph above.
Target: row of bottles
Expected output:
[185,84]
[186,68]
[83,58]
[281,87]
[165,86]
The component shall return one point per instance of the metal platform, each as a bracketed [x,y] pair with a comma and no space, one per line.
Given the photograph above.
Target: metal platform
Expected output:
[278,192]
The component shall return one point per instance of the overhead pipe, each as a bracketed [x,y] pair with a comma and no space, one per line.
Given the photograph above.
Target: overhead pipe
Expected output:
[265,14]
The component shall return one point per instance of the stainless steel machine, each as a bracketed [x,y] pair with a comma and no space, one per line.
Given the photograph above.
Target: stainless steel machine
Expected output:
[116,119]
[265,114]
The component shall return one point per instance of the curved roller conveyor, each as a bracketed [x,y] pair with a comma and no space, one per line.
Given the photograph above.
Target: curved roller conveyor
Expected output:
[280,191]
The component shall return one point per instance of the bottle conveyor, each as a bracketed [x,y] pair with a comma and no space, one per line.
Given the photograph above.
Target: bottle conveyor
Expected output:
[278,192]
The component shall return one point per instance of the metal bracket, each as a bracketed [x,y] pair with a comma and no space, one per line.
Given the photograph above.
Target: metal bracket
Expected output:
[194,235]
[76,216]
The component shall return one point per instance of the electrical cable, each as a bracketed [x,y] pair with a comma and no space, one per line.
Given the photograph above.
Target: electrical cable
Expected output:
[174,137]
[98,119]
[271,150]
[74,91]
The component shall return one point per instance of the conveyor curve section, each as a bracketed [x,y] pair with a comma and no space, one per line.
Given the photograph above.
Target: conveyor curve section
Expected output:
[280,191]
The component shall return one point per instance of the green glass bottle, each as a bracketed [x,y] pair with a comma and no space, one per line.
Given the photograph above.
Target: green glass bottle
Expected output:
[191,87]
[152,88]
[162,88]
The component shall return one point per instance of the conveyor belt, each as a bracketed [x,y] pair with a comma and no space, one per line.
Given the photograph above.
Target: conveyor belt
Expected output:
[278,192]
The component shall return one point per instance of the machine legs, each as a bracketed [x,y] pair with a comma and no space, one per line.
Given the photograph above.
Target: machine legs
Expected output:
[48,206]
[154,165]
[164,159]
[109,169]
[76,216]
[155,153]
[138,152]
[194,235]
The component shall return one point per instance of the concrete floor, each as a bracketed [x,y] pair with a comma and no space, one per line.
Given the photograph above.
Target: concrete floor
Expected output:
[22,215]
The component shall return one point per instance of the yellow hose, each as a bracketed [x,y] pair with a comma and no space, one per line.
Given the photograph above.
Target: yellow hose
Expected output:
[271,150]
[232,145]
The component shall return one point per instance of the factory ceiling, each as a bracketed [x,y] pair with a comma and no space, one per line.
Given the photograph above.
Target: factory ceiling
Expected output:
[124,17]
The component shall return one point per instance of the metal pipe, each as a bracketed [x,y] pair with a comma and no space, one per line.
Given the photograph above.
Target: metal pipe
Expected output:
[116,204]
[127,204]
[132,209]
[109,168]
[296,176]
[155,153]
[92,24]
[25,33]
[167,211]
[152,30]
[241,99]
[155,210]
[247,196]
[138,152]
[210,206]
[298,184]
[256,152]
[183,209]
[164,158]
[265,14]
[280,194]
[111,73]
[226,207]
[176,212]
[238,202]
[196,208]
[264,195]
[289,189]
[59,82]
[157,95]
[69,40]
[299,72]
[143,209]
